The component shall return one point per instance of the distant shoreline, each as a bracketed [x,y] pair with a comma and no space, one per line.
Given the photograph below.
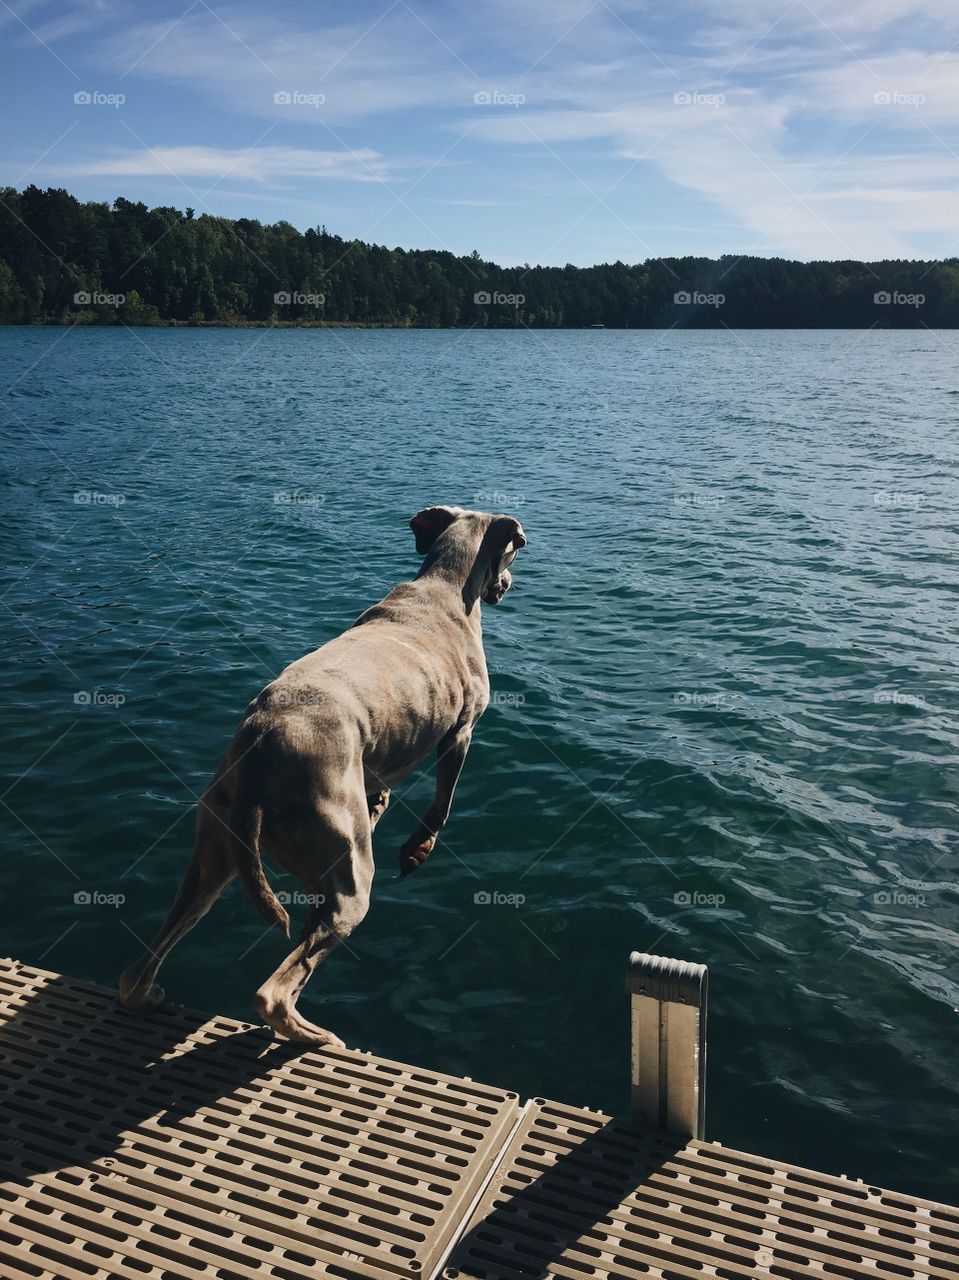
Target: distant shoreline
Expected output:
[314,325]
[63,262]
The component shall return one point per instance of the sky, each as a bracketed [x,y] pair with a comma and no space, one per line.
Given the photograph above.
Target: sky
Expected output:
[533,131]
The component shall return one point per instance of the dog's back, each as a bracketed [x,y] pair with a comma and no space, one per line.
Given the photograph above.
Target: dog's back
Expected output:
[391,686]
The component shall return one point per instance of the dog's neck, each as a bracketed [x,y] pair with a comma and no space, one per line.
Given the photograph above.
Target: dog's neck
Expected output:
[462,563]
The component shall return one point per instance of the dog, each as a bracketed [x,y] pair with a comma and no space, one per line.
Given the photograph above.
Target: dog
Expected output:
[309,772]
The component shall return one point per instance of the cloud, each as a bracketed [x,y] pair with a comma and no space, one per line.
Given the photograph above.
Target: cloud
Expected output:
[847,200]
[913,88]
[471,204]
[257,164]
[389,63]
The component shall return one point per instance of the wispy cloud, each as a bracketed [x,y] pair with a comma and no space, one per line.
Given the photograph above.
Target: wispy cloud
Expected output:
[383,64]
[260,164]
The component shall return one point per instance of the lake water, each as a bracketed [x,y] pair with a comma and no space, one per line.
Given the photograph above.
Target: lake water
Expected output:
[724,720]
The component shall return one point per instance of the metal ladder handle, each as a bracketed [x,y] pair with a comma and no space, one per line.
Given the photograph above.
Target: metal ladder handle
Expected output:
[668,1043]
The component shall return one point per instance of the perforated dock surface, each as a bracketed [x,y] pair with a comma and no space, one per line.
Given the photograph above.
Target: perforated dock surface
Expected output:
[579,1195]
[170,1146]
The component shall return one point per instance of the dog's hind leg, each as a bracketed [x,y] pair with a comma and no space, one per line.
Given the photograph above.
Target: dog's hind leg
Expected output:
[342,890]
[210,871]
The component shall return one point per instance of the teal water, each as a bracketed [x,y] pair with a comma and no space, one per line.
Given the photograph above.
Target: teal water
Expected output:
[724,719]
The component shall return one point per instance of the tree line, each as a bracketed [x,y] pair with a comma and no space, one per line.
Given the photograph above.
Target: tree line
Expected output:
[63,261]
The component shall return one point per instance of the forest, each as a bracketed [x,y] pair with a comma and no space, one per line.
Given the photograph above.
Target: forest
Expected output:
[63,261]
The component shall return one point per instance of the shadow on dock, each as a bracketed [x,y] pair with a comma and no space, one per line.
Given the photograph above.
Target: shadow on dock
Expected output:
[78,1076]
[556,1199]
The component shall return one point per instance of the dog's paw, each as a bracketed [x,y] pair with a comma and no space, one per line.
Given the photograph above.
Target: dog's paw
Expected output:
[311,1037]
[413,855]
[131,997]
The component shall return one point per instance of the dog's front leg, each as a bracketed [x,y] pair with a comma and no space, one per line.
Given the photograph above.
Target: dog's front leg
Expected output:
[377,804]
[450,756]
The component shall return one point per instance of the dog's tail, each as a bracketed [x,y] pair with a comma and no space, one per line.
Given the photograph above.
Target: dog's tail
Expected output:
[246,819]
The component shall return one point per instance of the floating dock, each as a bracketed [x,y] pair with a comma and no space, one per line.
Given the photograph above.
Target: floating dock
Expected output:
[170,1145]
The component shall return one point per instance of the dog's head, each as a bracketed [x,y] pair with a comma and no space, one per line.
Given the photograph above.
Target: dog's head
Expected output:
[481,547]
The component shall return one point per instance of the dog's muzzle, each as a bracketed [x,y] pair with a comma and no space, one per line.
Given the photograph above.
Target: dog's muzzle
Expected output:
[499,588]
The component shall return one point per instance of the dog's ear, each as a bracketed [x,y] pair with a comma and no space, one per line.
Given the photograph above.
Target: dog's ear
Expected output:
[428,524]
[506,533]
